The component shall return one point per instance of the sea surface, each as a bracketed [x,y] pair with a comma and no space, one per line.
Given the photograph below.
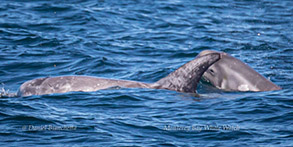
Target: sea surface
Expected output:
[144,40]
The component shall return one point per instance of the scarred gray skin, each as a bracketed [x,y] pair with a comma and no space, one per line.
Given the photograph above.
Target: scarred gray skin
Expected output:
[231,74]
[184,79]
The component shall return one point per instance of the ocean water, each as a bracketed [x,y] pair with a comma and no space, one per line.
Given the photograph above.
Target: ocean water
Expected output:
[144,40]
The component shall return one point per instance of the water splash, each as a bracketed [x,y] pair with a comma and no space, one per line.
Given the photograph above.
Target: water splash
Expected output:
[5,93]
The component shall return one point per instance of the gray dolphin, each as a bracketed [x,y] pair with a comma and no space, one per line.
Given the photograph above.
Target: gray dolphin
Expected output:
[184,79]
[231,74]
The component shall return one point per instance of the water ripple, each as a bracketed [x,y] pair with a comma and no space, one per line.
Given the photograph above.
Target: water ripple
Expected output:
[144,41]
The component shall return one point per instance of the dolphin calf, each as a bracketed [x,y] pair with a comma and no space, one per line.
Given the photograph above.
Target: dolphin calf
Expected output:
[231,74]
[184,79]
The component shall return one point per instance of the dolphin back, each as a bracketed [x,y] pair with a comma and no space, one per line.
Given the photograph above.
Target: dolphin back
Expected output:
[65,84]
[186,77]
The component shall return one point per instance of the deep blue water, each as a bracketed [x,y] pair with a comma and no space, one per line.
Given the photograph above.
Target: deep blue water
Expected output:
[144,41]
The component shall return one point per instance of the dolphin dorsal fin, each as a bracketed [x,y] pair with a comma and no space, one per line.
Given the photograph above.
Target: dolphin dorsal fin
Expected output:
[186,77]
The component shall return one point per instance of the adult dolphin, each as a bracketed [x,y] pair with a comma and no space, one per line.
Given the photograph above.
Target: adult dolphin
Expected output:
[231,74]
[184,79]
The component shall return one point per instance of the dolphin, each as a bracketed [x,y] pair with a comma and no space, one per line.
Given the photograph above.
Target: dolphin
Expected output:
[231,74]
[184,79]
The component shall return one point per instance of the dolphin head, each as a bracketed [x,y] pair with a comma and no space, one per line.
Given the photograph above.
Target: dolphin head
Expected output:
[231,74]
[215,76]
[220,73]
